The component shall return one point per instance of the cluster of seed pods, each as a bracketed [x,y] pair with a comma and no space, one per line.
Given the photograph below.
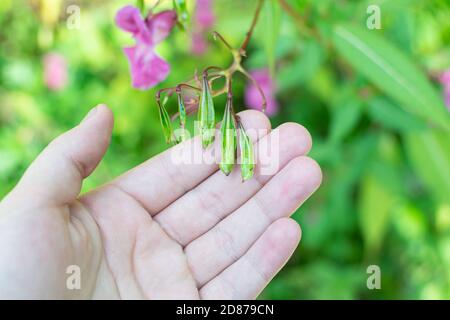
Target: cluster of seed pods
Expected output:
[232,131]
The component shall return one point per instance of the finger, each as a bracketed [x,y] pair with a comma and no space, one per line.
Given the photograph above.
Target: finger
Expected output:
[161,180]
[248,276]
[57,173]
[202,208]
[233,236]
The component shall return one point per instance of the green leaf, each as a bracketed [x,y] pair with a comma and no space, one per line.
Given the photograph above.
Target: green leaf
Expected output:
[228,135]
[380,191]
[429,153]
[392,71]
[345,118]
[272,13]
[206,114]
[383,111]
[410,222]
[375,205]
[303,68]
[346,173]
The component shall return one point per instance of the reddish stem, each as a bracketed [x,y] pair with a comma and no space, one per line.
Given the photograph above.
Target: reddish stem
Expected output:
[225,42]
[252,27]
[261,92]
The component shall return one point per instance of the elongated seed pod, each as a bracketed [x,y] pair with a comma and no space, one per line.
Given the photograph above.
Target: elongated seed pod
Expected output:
[182,115]
[228,135]
[206,114]
[247,157]
[182,12]
[165,123]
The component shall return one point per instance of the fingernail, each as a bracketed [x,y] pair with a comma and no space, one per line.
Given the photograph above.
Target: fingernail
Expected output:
[91,113]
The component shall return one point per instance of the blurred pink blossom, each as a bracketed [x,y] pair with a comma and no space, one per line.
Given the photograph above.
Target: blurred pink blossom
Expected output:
[253,97]
[204,19]
[204,14]
[55,71]
[199,44]
[445,78]
[147,68]
[445,81]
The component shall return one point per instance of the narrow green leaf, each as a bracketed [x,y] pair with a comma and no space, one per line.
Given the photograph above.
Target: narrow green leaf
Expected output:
[165,123]
[303,68]
[392,71]
[345,118]
[228,135]
[390,116]
[206,114]
[429,153]
[380,191]
[182,12]
[271,31]
[375,206]
[410,222]
[247,156]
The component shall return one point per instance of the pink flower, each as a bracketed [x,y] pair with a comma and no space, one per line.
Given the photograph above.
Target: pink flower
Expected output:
[204,19]
[55,71]
[147,68]
[204,14]
[445,80]
[199,45]
[253,97]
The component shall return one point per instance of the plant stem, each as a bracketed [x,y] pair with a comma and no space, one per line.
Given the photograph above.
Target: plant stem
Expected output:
[227,73]
[154,6]
[229,89]
[205,71]
[225,42]
[261,92]
[185,85]
[252,28]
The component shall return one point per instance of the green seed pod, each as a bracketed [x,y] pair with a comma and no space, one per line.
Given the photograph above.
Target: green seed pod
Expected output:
[141,5]
[247,157]
[182,116]
[206,114]
[228,135]
[180,7]
[165,123]
[181,110]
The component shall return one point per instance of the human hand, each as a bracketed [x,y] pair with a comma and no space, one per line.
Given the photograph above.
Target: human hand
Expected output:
[159,231]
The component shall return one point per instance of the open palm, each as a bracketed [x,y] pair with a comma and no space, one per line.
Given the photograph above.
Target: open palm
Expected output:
[160,231]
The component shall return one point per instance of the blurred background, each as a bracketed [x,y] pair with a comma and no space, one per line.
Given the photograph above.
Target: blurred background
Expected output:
[373,100]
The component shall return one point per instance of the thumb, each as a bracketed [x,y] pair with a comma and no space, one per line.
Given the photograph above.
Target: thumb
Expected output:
[57,174]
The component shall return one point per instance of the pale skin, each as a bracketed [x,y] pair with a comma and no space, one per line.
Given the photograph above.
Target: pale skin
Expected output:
[159,231]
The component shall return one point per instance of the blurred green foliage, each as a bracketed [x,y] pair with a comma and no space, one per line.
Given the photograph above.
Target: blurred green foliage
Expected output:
[370,99]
